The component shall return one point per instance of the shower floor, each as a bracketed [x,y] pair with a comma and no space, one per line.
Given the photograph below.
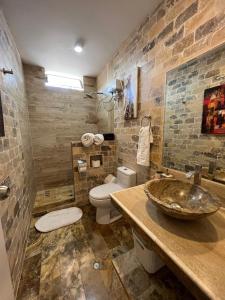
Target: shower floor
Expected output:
[53,199]
[60,265]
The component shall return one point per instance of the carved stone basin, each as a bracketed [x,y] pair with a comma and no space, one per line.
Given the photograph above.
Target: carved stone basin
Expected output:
[181,200]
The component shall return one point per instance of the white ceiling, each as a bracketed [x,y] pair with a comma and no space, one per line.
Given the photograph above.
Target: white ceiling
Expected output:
[46,30]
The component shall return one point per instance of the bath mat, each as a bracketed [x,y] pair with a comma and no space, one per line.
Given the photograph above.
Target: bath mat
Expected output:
[58,218]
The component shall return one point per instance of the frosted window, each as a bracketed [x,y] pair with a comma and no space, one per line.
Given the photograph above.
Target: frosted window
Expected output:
[64,81]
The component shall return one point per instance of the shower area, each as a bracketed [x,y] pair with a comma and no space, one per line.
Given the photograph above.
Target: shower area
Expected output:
[57,118]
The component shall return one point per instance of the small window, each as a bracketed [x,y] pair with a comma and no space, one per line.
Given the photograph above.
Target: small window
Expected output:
[64,81]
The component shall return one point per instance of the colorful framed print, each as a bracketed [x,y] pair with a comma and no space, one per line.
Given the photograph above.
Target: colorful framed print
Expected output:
[213,118]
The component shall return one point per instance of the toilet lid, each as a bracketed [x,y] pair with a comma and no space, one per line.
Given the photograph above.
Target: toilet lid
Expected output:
[102,191]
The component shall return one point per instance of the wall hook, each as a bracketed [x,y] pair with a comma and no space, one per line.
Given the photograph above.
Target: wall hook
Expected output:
[4,71]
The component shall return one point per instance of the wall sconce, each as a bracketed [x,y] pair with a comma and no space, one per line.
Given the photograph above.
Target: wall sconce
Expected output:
[117,93]
[109,98]
[117,89]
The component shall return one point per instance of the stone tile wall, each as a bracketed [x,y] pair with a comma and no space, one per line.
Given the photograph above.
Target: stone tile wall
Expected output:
[184,145]
[94,176]
[176,32]
[57,117]
[16,167]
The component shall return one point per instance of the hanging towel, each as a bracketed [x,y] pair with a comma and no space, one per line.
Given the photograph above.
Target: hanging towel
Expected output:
[145,139]
[87,139]
[98,139]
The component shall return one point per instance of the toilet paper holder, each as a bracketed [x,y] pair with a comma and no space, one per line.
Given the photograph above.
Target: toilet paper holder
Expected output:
[82,165]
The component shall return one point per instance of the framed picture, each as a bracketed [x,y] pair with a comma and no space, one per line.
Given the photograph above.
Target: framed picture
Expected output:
[213,119]
[2,129]
[131,95]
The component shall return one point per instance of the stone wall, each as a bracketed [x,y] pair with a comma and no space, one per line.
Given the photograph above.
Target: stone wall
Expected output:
[57,116]
[16,168]
[176,32]
[184,145]
[94,176]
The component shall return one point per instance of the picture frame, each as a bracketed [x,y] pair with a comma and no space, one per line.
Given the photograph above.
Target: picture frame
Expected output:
[131,85]
[213,116]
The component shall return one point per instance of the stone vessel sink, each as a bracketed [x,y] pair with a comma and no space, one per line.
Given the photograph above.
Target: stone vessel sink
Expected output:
[181,200]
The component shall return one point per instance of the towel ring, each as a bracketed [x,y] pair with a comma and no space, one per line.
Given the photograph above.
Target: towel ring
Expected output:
[146,117]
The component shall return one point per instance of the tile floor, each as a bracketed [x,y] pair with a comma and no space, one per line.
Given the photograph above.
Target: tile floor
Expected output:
[142,286]
[59,265]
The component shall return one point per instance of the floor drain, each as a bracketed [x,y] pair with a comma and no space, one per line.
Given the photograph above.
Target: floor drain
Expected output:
[96,265]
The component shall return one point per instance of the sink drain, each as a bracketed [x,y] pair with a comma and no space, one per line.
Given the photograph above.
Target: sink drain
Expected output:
[96,265]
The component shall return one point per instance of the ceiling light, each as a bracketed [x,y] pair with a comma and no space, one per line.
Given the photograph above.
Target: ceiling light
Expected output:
[78,47]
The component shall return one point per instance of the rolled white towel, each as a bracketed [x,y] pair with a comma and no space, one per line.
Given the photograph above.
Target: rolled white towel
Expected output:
[143,152]
[87,139]
[98,139]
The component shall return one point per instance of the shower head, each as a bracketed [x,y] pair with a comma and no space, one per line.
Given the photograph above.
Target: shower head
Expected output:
[92,95]
[88,96]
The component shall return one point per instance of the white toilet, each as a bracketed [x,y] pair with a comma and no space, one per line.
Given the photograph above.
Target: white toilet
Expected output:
[99,196]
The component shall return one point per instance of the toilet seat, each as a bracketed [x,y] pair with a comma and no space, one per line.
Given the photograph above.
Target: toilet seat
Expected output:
[99,197]
[102,192]
[106,210]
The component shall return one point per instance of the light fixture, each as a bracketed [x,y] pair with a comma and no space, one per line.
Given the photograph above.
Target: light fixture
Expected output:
[78,46]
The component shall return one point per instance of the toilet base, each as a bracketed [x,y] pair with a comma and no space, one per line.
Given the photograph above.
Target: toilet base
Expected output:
[107,215]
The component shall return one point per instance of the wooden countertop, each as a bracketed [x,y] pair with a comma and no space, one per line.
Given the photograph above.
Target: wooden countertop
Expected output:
[195,250]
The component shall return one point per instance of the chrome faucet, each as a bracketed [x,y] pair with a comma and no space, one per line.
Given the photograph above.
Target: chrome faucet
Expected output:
[197,173]
[213,165]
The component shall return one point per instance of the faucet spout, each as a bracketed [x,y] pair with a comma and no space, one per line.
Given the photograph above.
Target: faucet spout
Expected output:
[197,173]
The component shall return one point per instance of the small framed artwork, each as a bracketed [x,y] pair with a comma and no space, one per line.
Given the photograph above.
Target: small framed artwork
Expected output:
[131,95]
[213,118]
[2,129]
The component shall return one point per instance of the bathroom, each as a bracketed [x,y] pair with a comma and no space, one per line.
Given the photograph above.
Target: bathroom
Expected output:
[103,104]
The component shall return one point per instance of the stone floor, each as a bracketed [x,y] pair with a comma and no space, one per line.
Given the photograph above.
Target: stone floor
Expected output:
[141,285]
[59,265]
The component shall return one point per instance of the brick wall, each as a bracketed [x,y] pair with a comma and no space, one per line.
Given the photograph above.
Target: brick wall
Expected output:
[15,155]
[57,117]
[176,32]
[83,183]
[184,145]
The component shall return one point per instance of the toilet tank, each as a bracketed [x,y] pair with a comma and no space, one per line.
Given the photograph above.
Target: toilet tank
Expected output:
[126,177]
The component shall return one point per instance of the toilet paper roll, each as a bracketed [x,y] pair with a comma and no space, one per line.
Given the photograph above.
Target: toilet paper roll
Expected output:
[96,163]
[82,169]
